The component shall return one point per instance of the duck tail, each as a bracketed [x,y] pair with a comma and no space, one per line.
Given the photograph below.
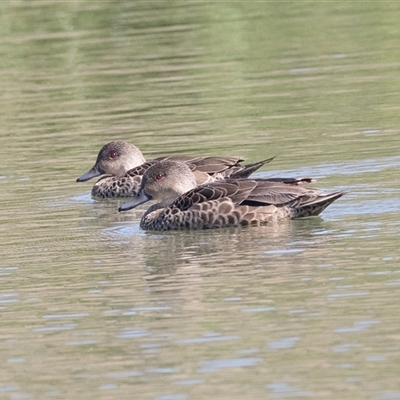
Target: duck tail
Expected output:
[292,181]
[312,206]
[248,169]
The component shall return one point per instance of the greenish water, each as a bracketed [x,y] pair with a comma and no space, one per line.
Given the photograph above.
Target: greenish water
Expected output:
[93,307]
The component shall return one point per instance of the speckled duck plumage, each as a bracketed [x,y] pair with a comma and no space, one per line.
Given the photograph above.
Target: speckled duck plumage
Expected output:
[181,204]
[123,166]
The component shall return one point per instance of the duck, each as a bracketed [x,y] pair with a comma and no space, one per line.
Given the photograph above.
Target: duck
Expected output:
[182,204]
[121,165]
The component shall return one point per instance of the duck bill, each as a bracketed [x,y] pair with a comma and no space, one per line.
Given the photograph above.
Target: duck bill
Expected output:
[141,198]
[95,171]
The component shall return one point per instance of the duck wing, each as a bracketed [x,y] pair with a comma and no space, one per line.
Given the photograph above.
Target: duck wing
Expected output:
[226,167]
[140,169]
[236,190]
[304,201]
[210,165]
[278,193]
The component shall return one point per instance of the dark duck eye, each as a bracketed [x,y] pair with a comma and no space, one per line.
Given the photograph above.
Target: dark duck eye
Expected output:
[113,154]
[159,177]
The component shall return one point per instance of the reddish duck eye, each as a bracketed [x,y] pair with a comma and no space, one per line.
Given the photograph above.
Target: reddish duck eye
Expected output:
[113,154]
[159,177]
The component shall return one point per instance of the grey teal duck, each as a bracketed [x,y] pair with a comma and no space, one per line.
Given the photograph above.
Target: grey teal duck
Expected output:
[181,204]
[123,166]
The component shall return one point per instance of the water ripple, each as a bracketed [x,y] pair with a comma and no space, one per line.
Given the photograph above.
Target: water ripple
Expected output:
[285,343]
[283,390]
[216,365]
[357,327]
[206,339]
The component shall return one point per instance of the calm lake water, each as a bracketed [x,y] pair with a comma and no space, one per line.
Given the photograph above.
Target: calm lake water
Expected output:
[91,307]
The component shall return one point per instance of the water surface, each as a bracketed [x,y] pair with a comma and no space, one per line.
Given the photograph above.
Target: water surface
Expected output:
[93,307]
